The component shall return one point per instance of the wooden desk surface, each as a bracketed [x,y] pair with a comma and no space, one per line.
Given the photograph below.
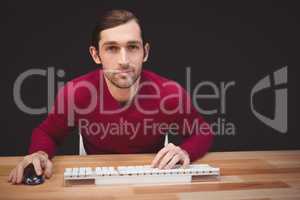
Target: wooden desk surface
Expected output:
[244,175]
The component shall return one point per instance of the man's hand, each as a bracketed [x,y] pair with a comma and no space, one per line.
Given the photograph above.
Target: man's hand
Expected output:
[169,156]
[41,163]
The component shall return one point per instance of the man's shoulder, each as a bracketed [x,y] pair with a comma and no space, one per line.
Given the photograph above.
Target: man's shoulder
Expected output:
[172,95]
[81,83]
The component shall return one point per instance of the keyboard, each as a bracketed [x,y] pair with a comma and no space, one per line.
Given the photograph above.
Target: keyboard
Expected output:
[142,174]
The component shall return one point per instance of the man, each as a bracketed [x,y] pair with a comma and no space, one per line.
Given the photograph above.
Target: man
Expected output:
[143,105]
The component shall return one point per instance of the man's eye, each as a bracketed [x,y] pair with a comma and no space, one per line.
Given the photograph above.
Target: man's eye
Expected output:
[133,47]
[112,48]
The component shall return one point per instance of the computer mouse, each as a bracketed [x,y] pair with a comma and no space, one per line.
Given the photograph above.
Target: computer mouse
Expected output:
[30,177]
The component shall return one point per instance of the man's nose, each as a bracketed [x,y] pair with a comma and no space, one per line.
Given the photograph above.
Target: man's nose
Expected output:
[123,60]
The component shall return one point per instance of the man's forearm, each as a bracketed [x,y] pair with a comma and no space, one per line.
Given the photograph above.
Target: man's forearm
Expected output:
[41,141]
[197,145]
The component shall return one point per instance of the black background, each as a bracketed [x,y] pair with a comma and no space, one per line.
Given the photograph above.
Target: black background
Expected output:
[241,41]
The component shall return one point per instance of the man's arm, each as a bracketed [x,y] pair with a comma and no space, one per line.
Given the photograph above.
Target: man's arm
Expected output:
[196,142]
[54,128]
[44,140]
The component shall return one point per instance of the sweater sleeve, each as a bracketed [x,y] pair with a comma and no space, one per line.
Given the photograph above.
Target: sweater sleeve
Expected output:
[197,134]
[54,128]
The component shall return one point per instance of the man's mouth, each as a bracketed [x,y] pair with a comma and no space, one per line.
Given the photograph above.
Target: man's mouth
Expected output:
[124,71]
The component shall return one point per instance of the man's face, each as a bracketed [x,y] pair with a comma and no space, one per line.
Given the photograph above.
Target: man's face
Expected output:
[121,53]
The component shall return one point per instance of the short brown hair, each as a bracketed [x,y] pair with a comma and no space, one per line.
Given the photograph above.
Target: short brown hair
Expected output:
[112,19]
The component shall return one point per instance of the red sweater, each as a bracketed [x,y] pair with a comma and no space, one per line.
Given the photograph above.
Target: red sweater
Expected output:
[139,128]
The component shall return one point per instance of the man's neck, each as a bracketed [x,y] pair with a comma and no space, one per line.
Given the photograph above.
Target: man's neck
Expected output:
[122,94]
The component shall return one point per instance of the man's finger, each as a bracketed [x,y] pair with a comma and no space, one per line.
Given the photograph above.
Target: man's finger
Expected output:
[16,175]
[14,178]
[43,161]
[37,166]
[159,155]
[48,169]
[10,176]
[164,161]
[186,160]
[20,170]
[173,162]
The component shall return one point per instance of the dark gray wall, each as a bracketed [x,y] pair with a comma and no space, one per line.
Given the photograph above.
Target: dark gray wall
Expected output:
[235,41]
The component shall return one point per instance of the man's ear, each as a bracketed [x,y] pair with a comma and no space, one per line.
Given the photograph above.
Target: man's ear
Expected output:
[95,54]
[146,51]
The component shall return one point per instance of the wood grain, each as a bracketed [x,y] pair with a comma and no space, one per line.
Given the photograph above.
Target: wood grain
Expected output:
[245,175]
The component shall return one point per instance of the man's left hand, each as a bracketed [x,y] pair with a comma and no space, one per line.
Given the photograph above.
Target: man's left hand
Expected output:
[169,156]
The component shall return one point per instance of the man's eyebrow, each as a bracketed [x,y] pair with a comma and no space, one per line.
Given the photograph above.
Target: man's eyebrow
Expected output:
[110,43]
[134,42]
[116,43]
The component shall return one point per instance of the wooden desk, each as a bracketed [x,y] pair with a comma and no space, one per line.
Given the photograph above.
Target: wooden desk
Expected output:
[244,175]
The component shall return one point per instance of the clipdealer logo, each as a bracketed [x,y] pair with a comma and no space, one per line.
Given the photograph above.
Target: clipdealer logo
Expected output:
[277,82]
[279,86]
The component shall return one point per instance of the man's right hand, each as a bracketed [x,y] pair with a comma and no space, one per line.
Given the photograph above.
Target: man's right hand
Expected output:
[41,163]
